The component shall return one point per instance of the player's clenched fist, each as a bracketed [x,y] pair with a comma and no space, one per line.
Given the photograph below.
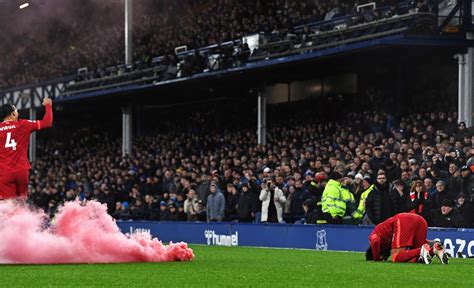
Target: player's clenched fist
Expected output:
[47,101]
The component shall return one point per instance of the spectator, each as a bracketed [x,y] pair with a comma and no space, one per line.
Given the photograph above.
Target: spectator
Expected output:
[358,186]
[215,205]
[202,188]
[467,182]
[333,204]
[418,198]
[246,207]
[311,214]
[299,196]
[439,196]
[392,171]
[231,203]
[360,215]
[201,212]
[466,209]
[121,211]
[272,202]
[447,216]
[172,213]
[402,201]
[138,210]
[190,206]
[378,161]
[109,199]
[164,212]
[379,202]
[429,187]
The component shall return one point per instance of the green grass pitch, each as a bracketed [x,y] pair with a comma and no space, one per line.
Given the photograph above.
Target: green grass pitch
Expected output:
[240,266]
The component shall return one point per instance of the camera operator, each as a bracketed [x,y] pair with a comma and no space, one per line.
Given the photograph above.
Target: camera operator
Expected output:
[272,199]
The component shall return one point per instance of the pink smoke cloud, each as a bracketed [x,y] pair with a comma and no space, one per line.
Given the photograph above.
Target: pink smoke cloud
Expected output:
[78,234]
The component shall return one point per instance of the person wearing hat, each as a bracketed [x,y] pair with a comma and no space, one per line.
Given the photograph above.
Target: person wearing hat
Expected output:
[247,206]
[448,216]
[357,186]
[172,213]
[467,182]
[163,212]
[333,204]
[378,160]
[359,214]
[267,172]
[466,209]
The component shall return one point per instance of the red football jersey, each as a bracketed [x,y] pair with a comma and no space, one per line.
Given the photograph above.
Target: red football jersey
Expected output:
[398,227]
[14,141]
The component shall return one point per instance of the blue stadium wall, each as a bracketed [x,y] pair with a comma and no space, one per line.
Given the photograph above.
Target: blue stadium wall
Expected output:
[319,237]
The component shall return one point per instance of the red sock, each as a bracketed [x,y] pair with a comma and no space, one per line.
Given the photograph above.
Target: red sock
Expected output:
[406,256]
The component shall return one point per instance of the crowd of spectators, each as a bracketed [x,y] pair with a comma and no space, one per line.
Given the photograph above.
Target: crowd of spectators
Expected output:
[359,169]
[89,34]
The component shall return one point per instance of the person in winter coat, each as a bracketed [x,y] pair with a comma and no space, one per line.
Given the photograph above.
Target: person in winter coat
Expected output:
[380,202]
[247,205]
[448,216]
[273,200]
[215,205]
[333,203]
[359,214]
[311,214]
[298,197]
[231,203]
[466,209]
[439,196]
[418,198]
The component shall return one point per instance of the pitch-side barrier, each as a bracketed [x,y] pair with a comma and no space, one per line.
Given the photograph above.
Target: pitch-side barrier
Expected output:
[318,237]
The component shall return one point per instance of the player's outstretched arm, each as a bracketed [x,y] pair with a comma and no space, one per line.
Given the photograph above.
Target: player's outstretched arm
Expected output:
[47,121]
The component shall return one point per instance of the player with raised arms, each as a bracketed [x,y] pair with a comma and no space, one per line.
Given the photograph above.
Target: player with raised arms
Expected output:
[14,140]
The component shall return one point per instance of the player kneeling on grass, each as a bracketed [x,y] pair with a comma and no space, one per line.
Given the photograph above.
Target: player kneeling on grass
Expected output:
[404,237]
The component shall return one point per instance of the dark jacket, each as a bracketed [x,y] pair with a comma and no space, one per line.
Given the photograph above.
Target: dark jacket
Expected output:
[467,187]
[313,214]
[247,206]
[138,212]
[296,205]
[380,204]
[403,203]
[376,164]
[454,219]
[231,206]
[467,212]
[202,191]
[436,199]
[110,200]
[393,173]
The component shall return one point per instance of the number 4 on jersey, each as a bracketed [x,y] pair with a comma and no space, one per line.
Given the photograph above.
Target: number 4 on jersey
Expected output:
[10,142]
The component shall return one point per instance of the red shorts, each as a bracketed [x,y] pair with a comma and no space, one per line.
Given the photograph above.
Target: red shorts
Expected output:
[14,185]
[409,231]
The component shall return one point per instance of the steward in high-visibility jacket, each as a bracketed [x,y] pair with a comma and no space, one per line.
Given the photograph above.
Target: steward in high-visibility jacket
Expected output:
[332,201]
[360,212]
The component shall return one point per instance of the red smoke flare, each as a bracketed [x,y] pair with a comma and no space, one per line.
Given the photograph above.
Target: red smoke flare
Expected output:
[78,234]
